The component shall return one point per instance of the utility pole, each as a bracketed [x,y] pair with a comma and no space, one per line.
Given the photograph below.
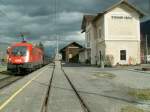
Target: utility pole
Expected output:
[146,49]
[55,21]
[57,48]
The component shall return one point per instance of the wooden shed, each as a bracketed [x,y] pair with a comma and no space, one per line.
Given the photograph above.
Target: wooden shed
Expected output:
[70,53]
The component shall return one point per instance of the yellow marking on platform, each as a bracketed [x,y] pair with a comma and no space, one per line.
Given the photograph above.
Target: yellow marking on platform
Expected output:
[18,91]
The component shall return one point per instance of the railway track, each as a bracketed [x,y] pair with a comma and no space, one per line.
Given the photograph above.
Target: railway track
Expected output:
[11,78]
[84,106]
[4,82]
[44,106]
[82,102]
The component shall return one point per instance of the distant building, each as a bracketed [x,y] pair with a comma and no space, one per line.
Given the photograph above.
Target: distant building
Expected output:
[3,54]
[70,53]
[113,36]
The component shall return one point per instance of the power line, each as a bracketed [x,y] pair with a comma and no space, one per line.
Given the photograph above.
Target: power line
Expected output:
[7,15]
[149,6]
[2,11]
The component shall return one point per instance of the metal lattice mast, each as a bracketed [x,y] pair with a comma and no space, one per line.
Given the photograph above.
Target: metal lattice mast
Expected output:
[55,23]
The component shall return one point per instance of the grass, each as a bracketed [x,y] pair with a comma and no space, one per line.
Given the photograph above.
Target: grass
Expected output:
[105,75]
[3,68]
[140,94]
[131,109]
[4,72]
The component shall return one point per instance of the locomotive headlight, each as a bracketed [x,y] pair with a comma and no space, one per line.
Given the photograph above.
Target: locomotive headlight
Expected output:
[27,57]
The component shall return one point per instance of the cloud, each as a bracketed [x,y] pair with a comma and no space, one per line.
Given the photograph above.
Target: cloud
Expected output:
[49,43]
[8,39]
[69,17]
[38,18]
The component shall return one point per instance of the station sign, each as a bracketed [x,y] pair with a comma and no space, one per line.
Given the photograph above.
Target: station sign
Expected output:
[121,17]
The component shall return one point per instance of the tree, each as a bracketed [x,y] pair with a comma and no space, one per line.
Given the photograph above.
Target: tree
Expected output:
[41,46]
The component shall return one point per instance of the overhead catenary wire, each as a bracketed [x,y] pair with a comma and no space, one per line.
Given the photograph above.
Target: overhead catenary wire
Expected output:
[149,6]
[5,13]
[2,11]
[11,19]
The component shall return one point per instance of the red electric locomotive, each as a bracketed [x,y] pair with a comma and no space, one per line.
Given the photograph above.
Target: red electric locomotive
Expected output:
[24,56]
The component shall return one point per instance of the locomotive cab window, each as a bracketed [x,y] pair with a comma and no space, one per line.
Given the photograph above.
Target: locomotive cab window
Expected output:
[19,51]
[122,54]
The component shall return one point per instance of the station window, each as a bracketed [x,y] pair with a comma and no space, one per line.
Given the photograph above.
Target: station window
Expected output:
[88,39]
[122,54]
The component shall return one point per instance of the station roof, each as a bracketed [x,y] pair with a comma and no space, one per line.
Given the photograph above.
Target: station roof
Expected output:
[87,18]
[93,18]
[72,43]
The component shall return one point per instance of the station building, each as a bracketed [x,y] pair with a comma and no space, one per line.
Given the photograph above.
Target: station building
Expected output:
[113,36]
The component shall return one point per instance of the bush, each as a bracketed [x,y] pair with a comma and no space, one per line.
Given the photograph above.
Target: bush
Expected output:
[87,61]
[109,60]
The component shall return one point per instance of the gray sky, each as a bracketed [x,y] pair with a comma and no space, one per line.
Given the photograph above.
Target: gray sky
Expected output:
[38,18]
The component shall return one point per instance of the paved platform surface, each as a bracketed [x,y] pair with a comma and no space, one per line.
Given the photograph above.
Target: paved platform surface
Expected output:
[62,98]
[106,94]
[101,94]
[31,97]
